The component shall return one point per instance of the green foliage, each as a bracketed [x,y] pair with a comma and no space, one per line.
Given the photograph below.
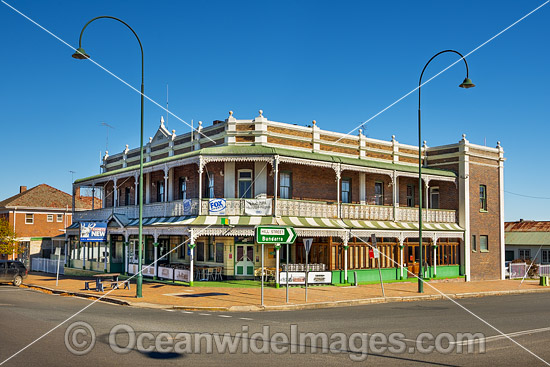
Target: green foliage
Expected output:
[8,243]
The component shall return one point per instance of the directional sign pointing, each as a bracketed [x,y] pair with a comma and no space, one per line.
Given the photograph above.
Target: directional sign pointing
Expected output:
[275,234]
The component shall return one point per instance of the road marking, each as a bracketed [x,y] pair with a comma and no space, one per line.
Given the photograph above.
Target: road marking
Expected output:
[186,312]
[168,310]
[204,314]
[489,338]
[245,318]
[224,316]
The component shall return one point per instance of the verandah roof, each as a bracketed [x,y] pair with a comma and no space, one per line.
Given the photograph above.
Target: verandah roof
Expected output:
[297,222]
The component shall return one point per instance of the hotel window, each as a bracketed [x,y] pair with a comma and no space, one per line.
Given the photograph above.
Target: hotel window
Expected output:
[545,256]
[200,251]
[209,186]
[183,188]
[160,191]
[126,196]
[434,197]
[245,183]
[483,198]
[285,185]
[211,252]
[50,218]
[59,218]
[219,252]
[378,193]
[410,196]
[474,244]
[346,190]
[483,243]
[29,218]
[525,254]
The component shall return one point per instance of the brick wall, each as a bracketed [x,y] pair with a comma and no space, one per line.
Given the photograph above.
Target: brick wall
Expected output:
[485,265]
[213,169]
[388,190]
[40,227]
[191,172]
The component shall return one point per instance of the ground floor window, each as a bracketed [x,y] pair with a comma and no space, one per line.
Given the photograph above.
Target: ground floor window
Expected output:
[219,252]
[525,254]
[545,256]
[509,255]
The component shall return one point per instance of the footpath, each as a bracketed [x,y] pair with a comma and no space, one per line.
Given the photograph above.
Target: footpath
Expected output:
[161,295]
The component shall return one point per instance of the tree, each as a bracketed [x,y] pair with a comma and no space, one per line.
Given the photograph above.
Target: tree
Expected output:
[8,242]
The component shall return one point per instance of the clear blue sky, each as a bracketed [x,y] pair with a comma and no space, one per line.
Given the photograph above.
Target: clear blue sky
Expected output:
[336,62]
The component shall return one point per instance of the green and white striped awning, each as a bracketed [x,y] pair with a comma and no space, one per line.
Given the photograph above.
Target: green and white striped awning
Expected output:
[184,220]
[301,222]
[297,222]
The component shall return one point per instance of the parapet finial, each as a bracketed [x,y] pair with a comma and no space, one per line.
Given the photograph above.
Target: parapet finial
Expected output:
[261,113]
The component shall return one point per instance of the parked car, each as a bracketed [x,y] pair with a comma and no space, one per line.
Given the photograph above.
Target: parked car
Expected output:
[12,271]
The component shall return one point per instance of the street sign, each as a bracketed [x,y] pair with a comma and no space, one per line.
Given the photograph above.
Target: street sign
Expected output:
[275,234]
[307,243]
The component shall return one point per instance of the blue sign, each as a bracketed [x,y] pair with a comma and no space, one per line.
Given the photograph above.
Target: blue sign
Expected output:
[217,206]
[187,207]
[93,232]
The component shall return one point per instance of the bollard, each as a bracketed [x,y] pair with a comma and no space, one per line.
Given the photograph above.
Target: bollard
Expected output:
[355,278]
[543,281]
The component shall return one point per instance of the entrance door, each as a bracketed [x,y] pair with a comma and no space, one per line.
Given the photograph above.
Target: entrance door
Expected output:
[244,265]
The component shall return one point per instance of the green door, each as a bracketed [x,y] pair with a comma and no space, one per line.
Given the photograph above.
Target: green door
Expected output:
[244,266]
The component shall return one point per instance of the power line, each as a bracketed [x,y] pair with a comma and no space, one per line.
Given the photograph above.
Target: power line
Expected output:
[527,196]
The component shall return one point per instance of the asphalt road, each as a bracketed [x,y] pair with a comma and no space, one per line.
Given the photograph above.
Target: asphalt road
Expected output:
[149,337]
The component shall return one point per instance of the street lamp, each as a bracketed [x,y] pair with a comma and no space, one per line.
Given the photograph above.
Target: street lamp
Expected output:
[80,54]
[467,83]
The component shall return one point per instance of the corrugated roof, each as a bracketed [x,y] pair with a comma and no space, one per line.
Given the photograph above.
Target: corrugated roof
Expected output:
[262,150]
[44,196]
[527,226]
[527,238]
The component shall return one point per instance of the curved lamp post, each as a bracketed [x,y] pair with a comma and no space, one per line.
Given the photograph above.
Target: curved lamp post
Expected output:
[467,83]
[80,54]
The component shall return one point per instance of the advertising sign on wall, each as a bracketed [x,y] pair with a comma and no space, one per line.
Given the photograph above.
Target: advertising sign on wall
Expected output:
[217,206]
[93,232]
[299,277]
[257,207]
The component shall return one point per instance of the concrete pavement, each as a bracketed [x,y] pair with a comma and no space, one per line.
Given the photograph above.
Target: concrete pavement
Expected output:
[160,295]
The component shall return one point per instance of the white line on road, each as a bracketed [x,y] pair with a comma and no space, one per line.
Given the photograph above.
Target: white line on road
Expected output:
[245,318]
[224,316]
[490,338]
[186,312]
[204,314]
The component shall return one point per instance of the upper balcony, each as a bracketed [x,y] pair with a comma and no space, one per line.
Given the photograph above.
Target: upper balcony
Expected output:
[285,207]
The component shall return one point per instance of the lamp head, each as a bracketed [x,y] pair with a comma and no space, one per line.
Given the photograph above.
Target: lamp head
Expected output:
[80,54]
[467,83]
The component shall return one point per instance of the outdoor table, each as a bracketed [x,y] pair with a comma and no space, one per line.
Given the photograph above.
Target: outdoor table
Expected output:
[98,277]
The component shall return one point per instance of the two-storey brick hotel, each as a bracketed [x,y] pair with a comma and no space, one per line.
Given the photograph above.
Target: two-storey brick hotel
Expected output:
[335,188]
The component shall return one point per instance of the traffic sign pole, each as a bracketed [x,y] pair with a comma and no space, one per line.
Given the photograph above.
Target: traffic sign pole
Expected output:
[287,256]
[377,256]
[262,274]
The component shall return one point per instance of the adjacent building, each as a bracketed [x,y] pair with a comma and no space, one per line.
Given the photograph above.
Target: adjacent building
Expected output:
[206,191]
[529,240]
[38,215]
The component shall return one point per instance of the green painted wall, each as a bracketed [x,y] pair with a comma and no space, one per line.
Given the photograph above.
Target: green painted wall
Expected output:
[371,275]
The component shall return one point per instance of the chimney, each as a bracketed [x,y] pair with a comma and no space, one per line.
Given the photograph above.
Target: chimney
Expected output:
[22,189]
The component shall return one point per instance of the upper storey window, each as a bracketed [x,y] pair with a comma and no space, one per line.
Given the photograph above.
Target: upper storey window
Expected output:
[378,193]
[245,183]
[285,191]
[346,190]
[483,198]
[160,191]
